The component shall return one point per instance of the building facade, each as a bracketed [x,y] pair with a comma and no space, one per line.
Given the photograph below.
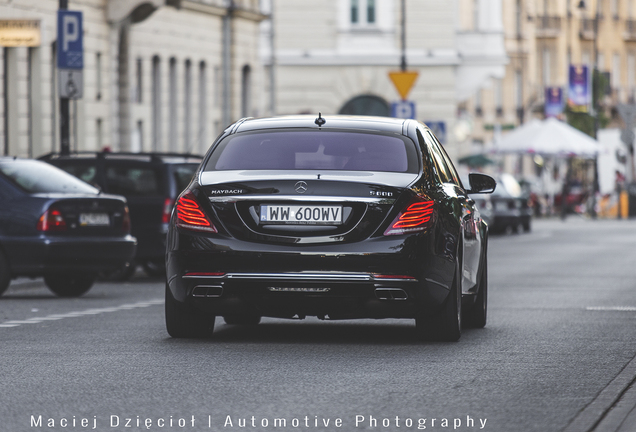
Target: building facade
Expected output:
[335,56]
[543,38]
[159,75]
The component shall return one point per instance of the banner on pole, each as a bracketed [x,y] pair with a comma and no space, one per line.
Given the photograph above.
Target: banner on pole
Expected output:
[580,88]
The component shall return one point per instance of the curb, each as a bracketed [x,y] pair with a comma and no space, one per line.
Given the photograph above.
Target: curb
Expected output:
[599,415]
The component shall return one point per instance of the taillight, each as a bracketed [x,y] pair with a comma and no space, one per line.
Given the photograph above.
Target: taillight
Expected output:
[416,216]
[167,210]
[51,220]
[190,216]
[125,221]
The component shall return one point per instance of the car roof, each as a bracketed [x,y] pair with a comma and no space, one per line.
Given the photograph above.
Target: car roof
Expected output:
[376,124]
[156,157]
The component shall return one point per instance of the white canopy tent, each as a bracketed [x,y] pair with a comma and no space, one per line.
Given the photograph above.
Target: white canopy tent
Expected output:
[548,137]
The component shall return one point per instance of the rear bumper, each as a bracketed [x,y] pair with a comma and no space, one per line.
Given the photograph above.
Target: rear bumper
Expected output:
[36,256]
[338,281]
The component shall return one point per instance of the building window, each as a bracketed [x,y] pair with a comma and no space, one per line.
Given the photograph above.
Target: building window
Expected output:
[98,77]
[203,106]
[616,71]
[246,91]
[499,97]
[363,12]
[156,103]
[139,81]
[600,62]
[547,66]
[478,104]
[99,139]
[614,9]
[585,58]
[631,74]
[187,104]
[475,15]
[172,105]
[518,17]
[519,89]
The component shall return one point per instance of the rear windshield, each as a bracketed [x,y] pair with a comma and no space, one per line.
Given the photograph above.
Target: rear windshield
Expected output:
[40,177]
[133,181]
[314,150]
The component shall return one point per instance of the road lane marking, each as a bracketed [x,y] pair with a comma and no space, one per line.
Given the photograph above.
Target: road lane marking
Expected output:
[612,308]
[87,312]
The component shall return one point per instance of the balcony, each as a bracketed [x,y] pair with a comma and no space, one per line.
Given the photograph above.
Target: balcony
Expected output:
[548,26]
[588,29]
[630,31]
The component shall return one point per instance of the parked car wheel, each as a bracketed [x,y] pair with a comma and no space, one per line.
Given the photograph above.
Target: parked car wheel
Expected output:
[70,285]
[186,322]
[5,273]
[446,325]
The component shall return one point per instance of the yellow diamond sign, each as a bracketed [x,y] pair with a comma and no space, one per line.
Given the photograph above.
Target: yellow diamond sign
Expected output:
[403,81]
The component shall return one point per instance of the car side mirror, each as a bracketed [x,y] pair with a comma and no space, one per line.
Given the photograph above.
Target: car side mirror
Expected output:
[481,183]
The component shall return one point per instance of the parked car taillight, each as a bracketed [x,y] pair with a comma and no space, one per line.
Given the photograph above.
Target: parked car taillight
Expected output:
[125,222]
[190,216]
[416,216]
[51,220]
[167,210]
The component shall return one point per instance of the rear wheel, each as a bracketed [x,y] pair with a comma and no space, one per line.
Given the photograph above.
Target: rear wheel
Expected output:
[183,321]
[446,325]
[5,273]
[70,285]
[244,320]
[476,317]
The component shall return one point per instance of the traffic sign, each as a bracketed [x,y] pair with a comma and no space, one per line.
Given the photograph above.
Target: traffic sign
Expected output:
[403,109]
[403,81]
[70,40]
[439,129]
[71,83]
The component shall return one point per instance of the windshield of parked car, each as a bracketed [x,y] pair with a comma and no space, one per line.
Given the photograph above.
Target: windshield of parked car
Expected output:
[40,177]
[314,150]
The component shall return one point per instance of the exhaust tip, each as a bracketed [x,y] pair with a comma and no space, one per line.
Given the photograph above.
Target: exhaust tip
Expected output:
[391,294]
[207,291]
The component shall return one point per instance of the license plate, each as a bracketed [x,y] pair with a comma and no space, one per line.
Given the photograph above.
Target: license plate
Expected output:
[301,215]
[94,219]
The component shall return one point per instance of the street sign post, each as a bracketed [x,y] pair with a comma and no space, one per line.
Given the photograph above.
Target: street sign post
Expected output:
[70,65]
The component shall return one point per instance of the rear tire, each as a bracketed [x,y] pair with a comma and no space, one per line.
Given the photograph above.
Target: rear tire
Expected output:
[5,273]
[183,321]
[476,317]
[70,285]
[446,325]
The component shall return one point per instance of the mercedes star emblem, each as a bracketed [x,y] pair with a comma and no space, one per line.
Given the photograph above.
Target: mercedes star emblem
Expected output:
[301,187]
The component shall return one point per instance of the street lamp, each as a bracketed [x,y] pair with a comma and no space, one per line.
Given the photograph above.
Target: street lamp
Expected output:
[581,6]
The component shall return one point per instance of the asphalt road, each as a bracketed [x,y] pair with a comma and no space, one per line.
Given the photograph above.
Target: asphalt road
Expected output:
[554,356]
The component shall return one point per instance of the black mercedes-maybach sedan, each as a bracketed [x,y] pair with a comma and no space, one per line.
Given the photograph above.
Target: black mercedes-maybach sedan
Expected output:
[335,217]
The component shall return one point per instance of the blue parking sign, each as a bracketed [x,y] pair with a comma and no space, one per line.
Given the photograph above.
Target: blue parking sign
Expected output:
[70,43]
[403,109]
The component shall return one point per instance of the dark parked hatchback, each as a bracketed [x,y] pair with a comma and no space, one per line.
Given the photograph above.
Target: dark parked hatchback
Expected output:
[56,226]
[149,181]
